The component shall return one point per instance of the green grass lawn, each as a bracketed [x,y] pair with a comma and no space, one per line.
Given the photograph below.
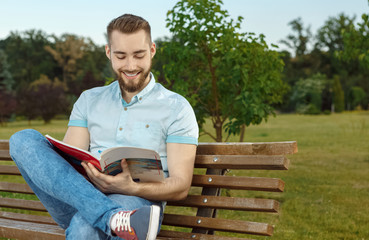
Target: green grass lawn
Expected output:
[327,186]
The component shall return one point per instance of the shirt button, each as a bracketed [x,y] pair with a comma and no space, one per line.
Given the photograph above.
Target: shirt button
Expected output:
[125,109]
[140,98]
[147,125]
[120,129]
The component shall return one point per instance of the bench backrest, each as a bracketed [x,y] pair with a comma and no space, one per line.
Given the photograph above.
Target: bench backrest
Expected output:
[214,187]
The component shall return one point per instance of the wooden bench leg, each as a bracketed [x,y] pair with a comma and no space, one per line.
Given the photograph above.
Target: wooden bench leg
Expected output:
[209,212]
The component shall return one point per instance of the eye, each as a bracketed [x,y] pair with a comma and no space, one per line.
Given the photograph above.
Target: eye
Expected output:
[140,56]
[120,57]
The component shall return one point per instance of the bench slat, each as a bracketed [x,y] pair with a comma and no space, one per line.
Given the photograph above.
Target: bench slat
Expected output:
[30,231]
[165,234]
[15,187]
[240,183]
[218,224]
[267,162]
[244,148]
[28,218]
[22,204]
[262,148]
[4,155]
[229,203]
[9,170]
[4,144]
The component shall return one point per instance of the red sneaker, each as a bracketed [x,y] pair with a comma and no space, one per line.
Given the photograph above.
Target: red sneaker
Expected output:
[140,224]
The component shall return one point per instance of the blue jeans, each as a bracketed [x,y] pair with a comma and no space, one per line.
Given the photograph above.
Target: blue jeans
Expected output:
[73,202]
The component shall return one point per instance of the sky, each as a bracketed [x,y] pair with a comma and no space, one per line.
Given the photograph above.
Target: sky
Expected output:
[89,18]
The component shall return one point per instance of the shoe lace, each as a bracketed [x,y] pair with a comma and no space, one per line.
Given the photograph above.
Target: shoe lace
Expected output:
[123,221]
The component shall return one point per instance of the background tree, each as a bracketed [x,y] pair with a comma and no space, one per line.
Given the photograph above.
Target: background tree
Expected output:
[330,37]
[338,95]
[90,69]
[7,99]
[6,78]
[330,40]
[44,98]
[27,57]
[230,77]
[307,94]
[7,106]
[300,61]
[356,98]
[299,41]
[67,50]
[356,52]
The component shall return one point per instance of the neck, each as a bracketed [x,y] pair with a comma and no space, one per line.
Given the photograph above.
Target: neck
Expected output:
[127,96]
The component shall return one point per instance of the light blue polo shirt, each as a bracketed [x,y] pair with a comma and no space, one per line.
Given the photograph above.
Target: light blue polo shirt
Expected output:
[154,117]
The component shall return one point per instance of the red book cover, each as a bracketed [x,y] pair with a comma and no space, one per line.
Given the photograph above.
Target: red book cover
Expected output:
[75,152]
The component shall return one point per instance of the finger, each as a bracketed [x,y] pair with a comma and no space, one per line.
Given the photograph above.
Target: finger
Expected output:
[86,168]
[124,166]
[93,170]
[99,179]
[84,165]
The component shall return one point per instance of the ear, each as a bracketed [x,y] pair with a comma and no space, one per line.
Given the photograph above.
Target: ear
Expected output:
[107,51]
[153,49]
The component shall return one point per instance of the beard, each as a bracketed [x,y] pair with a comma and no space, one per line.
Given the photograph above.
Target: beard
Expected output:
[133,85]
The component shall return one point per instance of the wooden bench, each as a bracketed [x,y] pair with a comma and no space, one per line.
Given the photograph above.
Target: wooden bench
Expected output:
[196,217]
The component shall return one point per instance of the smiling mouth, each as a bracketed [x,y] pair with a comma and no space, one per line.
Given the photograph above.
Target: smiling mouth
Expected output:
[131,75]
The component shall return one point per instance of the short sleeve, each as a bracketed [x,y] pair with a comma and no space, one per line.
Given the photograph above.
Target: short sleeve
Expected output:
[78,117]
[183,127]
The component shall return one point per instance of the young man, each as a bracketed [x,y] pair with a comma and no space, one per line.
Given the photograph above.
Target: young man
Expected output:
[133,111]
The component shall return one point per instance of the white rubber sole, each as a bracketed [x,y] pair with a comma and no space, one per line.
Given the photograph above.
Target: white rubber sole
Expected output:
[154,223]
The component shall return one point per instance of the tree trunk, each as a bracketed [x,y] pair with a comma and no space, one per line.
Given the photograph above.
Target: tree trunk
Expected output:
[242,133]
[218,130]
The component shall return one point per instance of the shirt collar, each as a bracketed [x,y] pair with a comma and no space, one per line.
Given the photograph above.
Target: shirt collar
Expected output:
[141,95]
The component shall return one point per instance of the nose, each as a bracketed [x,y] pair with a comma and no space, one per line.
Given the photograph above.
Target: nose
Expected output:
[130,64]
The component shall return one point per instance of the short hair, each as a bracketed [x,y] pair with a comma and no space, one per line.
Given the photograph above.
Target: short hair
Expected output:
[128,23]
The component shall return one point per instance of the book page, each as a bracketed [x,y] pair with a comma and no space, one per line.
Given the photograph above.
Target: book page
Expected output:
[111,155]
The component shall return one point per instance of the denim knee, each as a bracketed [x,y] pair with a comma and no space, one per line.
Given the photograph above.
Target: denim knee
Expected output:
[22,138]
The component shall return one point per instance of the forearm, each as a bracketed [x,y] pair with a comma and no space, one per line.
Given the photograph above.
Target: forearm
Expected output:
[181,159]
[172,189]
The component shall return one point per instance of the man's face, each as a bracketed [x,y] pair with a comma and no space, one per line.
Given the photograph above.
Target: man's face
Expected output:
[131,56]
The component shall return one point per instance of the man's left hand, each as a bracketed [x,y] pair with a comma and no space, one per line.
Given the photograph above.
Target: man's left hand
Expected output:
[121,183]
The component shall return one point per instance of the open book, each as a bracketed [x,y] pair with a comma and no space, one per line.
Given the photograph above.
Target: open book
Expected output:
[144,164]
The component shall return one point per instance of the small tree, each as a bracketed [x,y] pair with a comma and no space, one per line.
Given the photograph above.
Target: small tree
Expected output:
[307,94]
[230,77]
[356,96]
[338,95]
[43,98]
